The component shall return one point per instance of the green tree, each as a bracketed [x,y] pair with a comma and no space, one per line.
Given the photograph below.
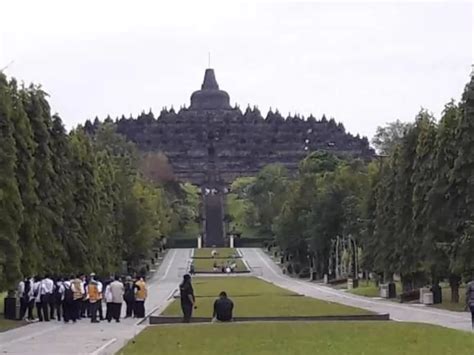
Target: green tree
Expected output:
[11,208]
[25,150]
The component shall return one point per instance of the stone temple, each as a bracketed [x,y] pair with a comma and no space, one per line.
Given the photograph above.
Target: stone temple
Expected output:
[211,143]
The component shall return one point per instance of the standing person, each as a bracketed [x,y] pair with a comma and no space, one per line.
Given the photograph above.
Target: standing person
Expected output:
[93,292]
[116,291]
[38,293]
[188,301]
[23,292]
[129,296]
[77,287]
[470,299]
[223,308]
[69,311]
[47,300]
[58,296]
[84,305]
[31,299]
[100,287]
[140,297]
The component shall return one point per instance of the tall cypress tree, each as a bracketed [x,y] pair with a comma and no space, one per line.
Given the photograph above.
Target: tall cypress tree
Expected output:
[422,180]
[25,147]
[462,180]
[11,208]
[439,241]
[38,111]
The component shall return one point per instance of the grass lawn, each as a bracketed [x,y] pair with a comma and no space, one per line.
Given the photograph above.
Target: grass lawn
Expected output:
[6,324]
[224,253]
[301,338]
[368,289]
[2,300]
[207,265]
[447,304]
[255,297]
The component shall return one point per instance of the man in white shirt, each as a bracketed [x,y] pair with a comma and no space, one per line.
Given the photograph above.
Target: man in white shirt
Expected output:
[38,291]
[47,300]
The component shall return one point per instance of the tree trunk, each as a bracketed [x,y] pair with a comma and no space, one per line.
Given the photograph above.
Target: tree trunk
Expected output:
[454,281]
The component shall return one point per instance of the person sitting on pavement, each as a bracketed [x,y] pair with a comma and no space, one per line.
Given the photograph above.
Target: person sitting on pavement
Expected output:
[223,308]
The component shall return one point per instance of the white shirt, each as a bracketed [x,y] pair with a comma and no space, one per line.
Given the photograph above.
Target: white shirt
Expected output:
[21,289]
[37,290]
[48,286]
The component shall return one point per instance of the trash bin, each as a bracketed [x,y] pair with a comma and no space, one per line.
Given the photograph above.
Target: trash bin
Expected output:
[392,290]
[423,290]
[352,283]
[388,290]
[428,298]
[383,288]
[10,308]
[437,294]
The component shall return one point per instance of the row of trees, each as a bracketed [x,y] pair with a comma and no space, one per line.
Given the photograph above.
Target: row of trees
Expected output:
[410,211]
[72,202]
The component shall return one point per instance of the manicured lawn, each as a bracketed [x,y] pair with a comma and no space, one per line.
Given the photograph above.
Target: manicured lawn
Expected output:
[222,253]
[301,338]
[6,324]
[207,265]
[255,297]
[447,304]
[368,289]
[2,300]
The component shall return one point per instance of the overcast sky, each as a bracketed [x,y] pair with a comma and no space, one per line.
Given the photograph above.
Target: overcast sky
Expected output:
[362,63]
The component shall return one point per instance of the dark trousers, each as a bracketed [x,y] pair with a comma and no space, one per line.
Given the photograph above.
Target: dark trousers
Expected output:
[45,305]
[51,305]
[93,308]
[57,308]
[76,309]
[100,310]
[68,311]
[472,315]
[139,309]
[114,310]
[84,309]
[130,306]
[187,312]
[108,311]
[23,307]
[31,306]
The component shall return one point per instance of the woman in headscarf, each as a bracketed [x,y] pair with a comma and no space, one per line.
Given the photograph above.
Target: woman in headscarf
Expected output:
[188,301]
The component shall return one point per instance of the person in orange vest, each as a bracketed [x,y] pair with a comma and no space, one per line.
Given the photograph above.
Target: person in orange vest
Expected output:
[94,297]
[140,297]
[78,292]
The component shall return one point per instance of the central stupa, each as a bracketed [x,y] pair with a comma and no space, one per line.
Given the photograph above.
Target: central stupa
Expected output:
[210,97]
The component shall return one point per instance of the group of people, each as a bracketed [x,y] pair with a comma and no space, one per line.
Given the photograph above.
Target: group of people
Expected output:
[223,306]
[80,296]
[228,267]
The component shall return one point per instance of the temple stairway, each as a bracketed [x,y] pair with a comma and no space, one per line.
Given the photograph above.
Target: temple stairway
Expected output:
[214,228]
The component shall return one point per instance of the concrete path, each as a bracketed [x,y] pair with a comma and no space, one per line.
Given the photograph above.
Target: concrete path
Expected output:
[263,266]
[102,338]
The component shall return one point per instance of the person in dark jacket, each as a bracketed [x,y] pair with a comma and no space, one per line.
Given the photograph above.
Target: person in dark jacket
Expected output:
[470,299]
[223,308]
[188,301]
[129,296]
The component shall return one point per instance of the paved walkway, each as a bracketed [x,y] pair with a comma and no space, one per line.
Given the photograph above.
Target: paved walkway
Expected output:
[102,338]
[264,267]
[107,338]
